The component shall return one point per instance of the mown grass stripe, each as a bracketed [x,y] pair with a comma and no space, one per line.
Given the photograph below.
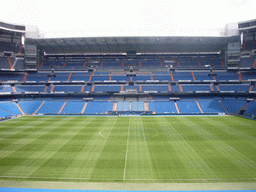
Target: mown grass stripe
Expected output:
[182,149]
[84,143]
[165,161]
[109,162]
[236,156]
[57,163]
[19,140]
[240,162]
[160,149]
[199,166]
[139,160]
[89,163]
[47,150]
[126,151]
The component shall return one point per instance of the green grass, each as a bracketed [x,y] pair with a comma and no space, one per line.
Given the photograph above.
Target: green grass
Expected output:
[128,149]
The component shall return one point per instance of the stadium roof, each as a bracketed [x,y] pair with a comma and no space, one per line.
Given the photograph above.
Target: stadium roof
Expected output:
[173,44]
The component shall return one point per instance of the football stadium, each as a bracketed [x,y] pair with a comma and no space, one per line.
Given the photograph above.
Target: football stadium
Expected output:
[128,113]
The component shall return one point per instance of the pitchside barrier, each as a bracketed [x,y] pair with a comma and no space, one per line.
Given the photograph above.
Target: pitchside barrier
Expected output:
[133,113]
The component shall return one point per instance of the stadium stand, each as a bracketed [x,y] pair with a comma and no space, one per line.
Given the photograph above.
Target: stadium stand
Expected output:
[4,64]
[162,107]
[19,64]
[5,113]
[233,87]
[6,88]
[73,107]
[211,106]
[251,109]
[66,88]
[51,107]
[6,46]
[10,107]
[98,107]
[194,80]
[27,88]
[30,107]
[234,106]
[188,107]
[247,62]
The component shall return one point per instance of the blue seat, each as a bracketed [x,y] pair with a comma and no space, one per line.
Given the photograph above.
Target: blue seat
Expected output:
[233,106]
[29,107]
[73,107]
[51,107]
[188,107]
[211,106]
[162,107]
[98,107]
[10,107]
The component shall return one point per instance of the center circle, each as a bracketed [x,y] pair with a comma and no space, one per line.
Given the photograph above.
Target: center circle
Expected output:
[113,133]
[135,133]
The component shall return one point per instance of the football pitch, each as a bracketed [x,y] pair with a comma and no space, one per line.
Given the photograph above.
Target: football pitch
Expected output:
[168,149]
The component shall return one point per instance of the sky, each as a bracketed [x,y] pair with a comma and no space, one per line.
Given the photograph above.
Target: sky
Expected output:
[108,18]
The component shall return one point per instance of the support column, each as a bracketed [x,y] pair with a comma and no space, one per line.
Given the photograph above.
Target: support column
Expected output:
[146,104]
[217,86]
[82,89]
[84,107]
[211,88]
[25,77]
[181,90]
[45,89]
[254,63]
[177,108]
[223,107]
[20,109]
[199,64]
[114,106]
[63,106]
[13,88]
[91,76]
[171,76]
[222,63]
[170,88]
[93,87]
[193,76]
[69,76]
[198,105]
[52,88]
[10,62]
[38,108]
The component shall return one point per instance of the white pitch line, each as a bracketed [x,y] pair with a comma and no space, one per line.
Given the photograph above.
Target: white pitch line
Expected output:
[56,178]
[126,152]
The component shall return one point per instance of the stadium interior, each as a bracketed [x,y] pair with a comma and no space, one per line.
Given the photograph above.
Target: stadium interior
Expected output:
[127,75]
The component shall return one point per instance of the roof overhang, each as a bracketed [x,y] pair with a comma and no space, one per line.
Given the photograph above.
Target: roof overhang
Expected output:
[137,44]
